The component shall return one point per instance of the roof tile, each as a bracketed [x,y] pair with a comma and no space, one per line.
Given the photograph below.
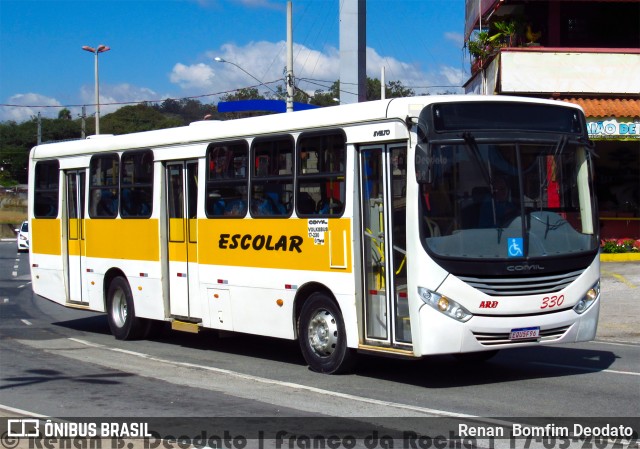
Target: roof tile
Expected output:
[607,107]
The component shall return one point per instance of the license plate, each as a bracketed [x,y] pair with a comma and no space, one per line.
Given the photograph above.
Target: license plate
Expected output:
[524,333]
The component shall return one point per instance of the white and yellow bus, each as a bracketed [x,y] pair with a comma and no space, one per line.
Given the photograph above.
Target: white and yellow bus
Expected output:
[428,225]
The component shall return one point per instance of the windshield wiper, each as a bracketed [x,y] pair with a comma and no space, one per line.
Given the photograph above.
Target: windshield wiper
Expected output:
[475,152]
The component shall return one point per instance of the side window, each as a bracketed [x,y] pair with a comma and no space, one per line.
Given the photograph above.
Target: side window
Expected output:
[272,177]
[136,184]
[103,186]
[46,189]
[227,172]
[321,174]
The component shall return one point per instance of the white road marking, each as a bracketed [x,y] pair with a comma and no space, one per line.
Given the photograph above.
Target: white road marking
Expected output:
[281,383]
[584,368]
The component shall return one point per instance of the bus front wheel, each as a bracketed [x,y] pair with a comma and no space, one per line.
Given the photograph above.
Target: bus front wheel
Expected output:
[121,313]
[322,335]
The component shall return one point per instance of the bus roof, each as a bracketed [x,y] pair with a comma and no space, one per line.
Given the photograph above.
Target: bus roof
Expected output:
[205,131]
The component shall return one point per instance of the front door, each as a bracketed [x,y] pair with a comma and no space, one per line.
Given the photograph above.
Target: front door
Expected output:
[76,244]
[182,201]
[383,176]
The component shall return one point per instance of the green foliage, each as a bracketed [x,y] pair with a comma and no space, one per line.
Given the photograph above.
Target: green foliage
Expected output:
[141,117]
[617,246]
[16,140]
[480,46]
[248,93]
[505,32]
[64,114]
[187,110]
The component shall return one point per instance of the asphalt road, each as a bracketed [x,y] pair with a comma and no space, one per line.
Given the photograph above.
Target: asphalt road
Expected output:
[62,362]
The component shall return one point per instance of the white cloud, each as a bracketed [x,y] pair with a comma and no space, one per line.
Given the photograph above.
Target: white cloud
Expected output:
[27,107]
[453,76]
[264,63]
[113,97]
[456,38]
[197,76]
[268,4]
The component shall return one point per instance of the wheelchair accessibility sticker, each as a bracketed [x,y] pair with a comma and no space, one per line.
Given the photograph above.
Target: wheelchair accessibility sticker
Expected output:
[515,248]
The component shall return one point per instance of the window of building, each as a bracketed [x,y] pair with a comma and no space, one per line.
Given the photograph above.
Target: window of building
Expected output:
[321,174]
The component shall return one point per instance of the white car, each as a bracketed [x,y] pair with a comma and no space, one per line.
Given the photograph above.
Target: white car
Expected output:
[23,236]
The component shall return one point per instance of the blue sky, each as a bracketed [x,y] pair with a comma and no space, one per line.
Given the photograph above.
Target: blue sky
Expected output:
[165,48]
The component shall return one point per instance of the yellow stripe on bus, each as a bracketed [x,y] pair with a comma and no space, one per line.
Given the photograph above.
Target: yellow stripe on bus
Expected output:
[45,236]
[295,244]
[123,239]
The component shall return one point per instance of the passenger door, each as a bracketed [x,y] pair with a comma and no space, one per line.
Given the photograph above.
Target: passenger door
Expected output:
[76,243]
[383,175]
[182,201]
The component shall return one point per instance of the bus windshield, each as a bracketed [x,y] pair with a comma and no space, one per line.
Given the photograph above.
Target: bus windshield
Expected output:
[508,200]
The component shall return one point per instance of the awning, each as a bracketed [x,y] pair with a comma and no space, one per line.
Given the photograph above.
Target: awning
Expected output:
[607,107]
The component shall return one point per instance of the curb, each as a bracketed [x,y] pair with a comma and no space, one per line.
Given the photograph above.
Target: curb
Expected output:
[620,257]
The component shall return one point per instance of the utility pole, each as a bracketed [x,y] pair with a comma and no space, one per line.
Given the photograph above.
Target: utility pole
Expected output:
[289,78]
[83,126]
[39,136]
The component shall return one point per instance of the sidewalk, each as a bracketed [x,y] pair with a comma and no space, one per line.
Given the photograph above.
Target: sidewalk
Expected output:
[620,303]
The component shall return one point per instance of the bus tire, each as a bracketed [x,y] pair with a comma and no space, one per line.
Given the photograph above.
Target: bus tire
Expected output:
[322,336]
[123,323]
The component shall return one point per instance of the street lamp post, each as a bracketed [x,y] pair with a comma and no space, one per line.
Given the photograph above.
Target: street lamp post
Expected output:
[218,59]
[100,49]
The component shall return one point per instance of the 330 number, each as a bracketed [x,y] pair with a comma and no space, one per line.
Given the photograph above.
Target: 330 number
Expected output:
[552,301]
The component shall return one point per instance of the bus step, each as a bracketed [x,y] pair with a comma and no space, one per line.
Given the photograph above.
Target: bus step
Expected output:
[184,326]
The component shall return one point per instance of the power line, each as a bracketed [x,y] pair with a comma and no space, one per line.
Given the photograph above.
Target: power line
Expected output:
[327,85]
[137,102]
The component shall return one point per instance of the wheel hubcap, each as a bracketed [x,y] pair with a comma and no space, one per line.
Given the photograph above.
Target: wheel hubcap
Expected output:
[323,333]
[119,308]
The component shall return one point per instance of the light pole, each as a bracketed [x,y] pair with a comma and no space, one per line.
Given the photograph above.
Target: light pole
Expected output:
[218,59]
[100,49]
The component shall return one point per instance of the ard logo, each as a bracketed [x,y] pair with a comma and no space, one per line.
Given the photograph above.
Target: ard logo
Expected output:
[488,304]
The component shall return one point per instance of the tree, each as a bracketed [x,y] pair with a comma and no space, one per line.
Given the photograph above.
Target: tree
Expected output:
[247,93]
[328,98]
[393,89]
[141,117]
[187,109]
[64,114]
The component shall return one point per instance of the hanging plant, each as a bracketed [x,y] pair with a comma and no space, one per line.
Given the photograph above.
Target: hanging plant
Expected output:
[480,48]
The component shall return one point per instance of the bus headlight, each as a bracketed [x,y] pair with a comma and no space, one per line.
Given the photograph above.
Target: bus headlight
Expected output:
[588,299]
[444,305]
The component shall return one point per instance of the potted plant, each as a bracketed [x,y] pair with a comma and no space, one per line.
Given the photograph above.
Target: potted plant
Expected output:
[505,35]
[480,49]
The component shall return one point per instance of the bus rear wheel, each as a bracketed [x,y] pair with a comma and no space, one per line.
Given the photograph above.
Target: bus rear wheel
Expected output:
[123,323]
[322,336]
